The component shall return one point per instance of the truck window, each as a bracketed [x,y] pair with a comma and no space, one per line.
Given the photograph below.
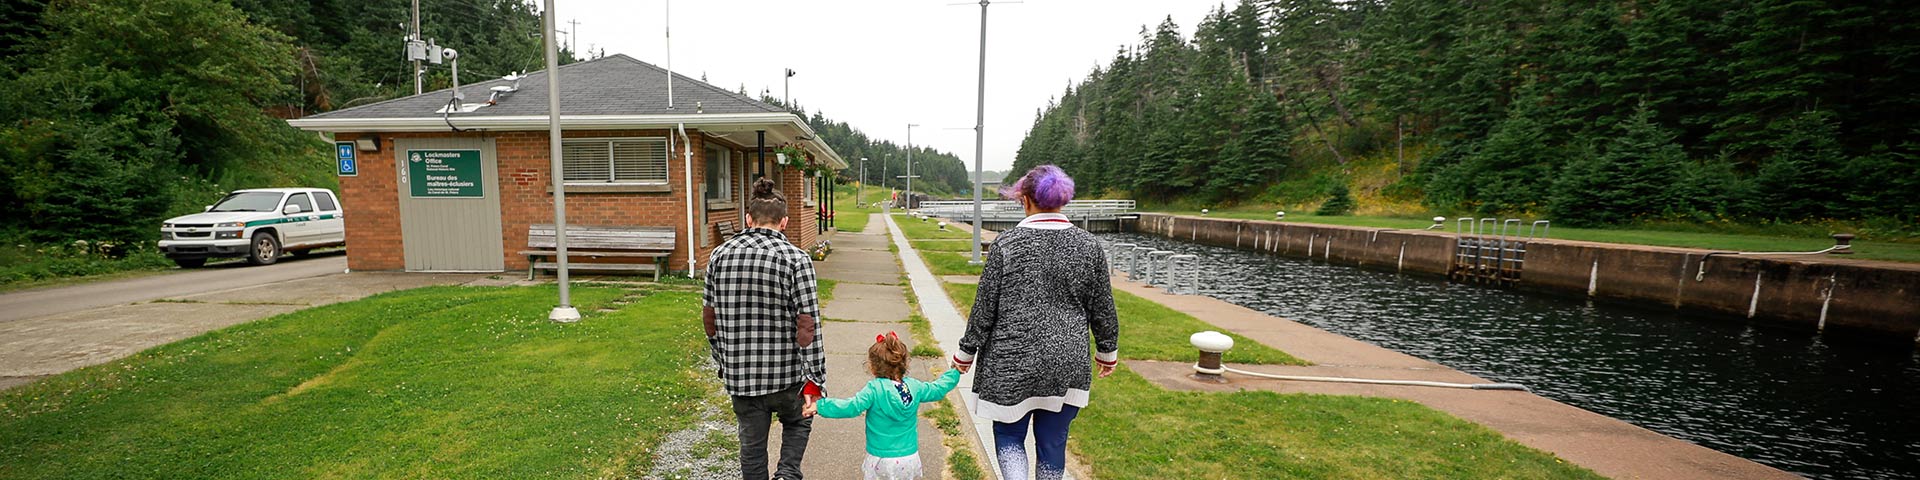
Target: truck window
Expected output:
[326,201]
[248,202]
[301,200]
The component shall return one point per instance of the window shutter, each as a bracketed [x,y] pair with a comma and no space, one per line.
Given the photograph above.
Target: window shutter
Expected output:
[643,161]
[585,161]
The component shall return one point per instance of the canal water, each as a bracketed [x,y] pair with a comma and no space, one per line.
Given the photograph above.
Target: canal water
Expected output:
[1788,399]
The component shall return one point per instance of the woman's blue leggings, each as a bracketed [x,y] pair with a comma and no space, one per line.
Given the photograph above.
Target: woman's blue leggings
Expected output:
[1049,442]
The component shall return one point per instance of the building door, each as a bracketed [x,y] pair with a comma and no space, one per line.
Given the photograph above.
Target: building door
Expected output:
[449,194]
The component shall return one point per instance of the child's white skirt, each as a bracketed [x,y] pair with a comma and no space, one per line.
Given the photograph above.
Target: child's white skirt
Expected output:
[896,468]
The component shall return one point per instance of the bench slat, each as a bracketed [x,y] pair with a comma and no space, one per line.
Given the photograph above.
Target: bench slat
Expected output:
[575,253]
[573,243]
[642,267]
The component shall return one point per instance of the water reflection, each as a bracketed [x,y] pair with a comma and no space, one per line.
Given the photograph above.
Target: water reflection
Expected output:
[1784,398]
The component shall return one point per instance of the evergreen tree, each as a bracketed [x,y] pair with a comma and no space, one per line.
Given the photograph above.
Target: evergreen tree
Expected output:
[1802,179]
[1632,177]
[115,106]
[1339,202]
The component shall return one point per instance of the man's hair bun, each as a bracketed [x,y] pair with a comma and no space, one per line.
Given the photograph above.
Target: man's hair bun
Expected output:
[764,189]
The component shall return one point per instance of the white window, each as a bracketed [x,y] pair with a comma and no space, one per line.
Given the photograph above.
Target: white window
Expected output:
[615,160]
[719,174]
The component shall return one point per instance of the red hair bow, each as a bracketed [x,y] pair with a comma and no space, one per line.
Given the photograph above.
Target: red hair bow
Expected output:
[883,338]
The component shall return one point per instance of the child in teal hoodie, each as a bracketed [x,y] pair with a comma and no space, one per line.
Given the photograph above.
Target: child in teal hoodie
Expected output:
[892,405]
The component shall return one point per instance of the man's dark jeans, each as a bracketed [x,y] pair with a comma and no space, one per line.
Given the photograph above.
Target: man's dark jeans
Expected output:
[753,414]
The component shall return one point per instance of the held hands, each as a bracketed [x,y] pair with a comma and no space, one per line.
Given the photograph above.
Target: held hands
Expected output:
[807,410]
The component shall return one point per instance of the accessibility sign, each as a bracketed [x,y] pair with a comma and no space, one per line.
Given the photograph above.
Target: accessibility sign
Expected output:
[445,173]
[349,165]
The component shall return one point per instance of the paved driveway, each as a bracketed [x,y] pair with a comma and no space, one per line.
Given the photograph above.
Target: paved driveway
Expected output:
[48,331]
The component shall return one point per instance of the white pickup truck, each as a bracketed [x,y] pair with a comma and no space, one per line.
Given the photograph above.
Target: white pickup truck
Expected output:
[259,224]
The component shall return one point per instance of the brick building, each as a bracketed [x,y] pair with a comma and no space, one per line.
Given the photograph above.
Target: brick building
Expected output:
[446,188]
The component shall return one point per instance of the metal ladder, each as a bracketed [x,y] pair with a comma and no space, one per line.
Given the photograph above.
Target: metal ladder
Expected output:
[1492,251]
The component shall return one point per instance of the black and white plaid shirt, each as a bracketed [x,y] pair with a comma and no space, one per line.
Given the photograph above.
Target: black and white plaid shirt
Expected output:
[758,284]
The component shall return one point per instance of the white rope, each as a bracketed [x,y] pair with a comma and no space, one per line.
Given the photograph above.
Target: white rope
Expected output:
[1411,383]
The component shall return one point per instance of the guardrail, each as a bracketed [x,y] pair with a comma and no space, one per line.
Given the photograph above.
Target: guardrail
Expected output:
[1011,211]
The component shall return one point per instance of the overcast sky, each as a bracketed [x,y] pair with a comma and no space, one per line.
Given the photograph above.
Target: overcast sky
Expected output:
[881,64]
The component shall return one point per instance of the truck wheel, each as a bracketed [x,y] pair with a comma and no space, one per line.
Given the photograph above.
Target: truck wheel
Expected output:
[265,249]
[190,262]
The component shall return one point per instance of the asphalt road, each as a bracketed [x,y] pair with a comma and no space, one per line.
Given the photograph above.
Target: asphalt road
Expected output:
[212,278]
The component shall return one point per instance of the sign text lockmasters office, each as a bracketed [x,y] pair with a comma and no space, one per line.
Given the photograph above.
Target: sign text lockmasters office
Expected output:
[436,187]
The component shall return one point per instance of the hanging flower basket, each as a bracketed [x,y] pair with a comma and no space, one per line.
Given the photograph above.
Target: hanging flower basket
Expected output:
[790,155]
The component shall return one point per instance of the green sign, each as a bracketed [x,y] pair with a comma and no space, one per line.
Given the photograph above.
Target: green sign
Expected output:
[445,173]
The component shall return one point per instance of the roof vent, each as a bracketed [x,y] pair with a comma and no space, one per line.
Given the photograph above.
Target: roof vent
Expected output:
[500,92]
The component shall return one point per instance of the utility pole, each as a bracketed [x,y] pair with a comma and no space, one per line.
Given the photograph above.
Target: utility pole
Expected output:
[786,90]
[979,135]
[573,36]
[860,189]
[910,164]
[564,313]
[416,38]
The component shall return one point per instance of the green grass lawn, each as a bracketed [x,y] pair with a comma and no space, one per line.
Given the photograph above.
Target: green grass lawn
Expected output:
[1135,429]
[944,245]
[826,289]
[852,222]
[849,215]
[916,229]
[439,382]
[943,250]
[1864,249]
[950,263]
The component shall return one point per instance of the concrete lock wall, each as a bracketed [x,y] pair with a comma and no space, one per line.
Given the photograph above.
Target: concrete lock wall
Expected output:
[1880,300]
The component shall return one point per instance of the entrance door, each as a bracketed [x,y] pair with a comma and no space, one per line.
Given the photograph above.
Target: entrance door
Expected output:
[449,204]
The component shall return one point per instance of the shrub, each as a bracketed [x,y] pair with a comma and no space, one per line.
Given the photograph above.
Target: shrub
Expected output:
[1341,202]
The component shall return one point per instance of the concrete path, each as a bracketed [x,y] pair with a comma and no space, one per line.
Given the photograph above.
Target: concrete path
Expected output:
[868,301]
[948,327]
[1610,447]
[47,301]
[66,328]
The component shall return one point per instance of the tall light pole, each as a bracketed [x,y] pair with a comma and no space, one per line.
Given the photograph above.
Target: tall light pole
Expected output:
[910,164]
[786,89]
[979,134]
[416,38]
[860,189]
[564,312]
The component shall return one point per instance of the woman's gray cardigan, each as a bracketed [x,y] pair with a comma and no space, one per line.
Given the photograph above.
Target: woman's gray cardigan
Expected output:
[1041,294]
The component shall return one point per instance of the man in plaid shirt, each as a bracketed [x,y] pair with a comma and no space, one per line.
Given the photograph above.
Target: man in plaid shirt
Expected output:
[761,316]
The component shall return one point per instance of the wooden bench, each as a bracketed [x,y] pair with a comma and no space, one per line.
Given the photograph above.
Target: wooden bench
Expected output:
[647,247]
[726,230]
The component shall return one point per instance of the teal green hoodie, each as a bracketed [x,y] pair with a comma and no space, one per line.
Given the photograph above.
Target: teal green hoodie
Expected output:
[893,427]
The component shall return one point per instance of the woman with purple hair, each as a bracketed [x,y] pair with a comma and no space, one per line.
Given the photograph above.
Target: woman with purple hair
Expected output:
[1044,295]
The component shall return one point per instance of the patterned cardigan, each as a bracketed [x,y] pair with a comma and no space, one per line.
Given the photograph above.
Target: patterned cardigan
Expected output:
[1044,290]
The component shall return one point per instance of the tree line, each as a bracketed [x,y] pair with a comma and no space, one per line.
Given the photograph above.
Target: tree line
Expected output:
[941,174]
[1590,112]
[115,114]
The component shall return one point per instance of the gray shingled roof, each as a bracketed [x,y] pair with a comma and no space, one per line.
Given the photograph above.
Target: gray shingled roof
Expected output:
[614,85]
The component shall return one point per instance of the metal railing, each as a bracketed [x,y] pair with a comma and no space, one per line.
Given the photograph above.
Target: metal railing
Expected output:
[1011,211]
[1491,250]
[1178,273]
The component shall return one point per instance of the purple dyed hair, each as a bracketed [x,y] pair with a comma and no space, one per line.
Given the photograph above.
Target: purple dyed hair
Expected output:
[1046,186]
